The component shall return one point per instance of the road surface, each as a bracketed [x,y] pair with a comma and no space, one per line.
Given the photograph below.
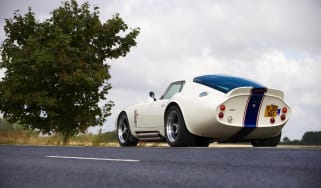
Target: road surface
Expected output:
[30,166]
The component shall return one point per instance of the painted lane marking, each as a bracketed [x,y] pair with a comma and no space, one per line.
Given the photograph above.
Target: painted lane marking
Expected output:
[96,159]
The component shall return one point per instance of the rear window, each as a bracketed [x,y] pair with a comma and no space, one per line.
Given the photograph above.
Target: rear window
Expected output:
[225,83]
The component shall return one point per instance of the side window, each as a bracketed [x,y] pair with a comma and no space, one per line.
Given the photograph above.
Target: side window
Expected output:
[174,88]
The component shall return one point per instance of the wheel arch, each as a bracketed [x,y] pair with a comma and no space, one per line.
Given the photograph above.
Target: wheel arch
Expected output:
[167,108]
[118,116]
[174,103]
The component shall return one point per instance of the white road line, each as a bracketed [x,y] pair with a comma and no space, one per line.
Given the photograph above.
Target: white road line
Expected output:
[96,159]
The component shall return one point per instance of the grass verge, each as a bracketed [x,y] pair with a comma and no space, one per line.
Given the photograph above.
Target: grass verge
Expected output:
[26,137]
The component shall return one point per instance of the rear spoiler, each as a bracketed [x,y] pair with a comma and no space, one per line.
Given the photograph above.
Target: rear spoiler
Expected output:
[248,90]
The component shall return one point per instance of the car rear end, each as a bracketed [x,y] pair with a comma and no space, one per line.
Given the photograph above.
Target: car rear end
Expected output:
[254,113]
[246,110]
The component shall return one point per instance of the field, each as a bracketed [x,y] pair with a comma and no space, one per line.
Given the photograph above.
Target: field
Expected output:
[26,137]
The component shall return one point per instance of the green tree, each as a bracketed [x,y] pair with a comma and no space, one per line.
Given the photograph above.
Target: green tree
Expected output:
[311,138]
[286,140]
[56,71]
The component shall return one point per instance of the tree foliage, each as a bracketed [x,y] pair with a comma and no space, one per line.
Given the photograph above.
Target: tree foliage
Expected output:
[308,138]
[311,138]
[56,71]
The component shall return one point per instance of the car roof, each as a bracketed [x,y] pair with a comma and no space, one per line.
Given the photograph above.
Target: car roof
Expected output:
[225,83]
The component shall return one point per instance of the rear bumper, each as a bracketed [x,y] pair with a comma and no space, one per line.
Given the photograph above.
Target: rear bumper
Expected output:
[220,131]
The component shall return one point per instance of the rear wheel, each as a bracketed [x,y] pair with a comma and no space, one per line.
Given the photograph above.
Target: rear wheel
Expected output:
[202,142]
[125,138]
[176,133]
[267,142]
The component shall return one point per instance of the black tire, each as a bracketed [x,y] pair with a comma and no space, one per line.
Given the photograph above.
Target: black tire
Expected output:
[124,136]
[176,133]
[267,142]
[202,142]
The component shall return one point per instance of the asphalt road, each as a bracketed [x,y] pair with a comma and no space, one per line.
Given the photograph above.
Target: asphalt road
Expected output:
[27,166]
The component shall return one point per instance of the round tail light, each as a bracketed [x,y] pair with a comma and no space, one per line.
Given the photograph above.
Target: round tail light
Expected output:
[284,110]
[221,115]
[222,107]
[283,117]
[272,120]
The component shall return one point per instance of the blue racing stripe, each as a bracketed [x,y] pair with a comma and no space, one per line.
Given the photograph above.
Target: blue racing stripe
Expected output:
[253,107]
[251,114]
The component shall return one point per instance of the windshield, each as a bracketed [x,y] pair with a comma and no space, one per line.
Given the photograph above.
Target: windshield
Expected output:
[225,83]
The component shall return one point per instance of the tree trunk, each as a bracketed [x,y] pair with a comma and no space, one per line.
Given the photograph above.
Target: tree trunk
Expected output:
[66,136]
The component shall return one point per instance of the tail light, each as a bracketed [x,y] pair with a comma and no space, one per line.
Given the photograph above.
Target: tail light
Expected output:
[272,120]
[283,117]
[221,114]
[222,107]
[284,110]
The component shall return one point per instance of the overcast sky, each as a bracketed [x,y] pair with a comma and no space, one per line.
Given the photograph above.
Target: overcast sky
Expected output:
[276,43]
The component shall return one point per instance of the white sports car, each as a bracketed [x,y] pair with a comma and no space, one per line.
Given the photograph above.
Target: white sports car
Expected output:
[206,109]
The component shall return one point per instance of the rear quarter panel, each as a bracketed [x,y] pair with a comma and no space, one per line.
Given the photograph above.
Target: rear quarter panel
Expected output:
[199,112]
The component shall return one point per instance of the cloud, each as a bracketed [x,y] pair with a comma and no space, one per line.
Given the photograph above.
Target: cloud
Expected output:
[234,28]
[276,43]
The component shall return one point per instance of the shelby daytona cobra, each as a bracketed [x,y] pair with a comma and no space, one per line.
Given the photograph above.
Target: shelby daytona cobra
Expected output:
[209,108]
